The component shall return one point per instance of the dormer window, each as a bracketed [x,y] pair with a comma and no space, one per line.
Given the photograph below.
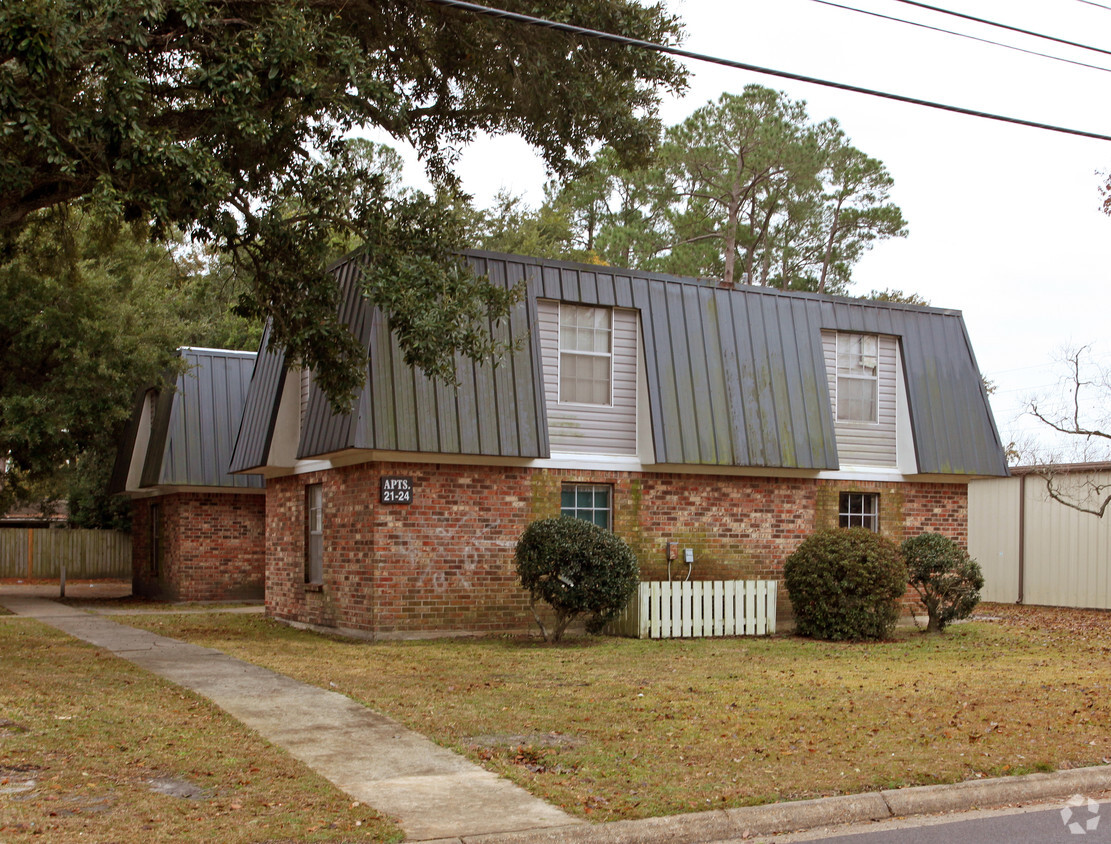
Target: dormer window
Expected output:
[857,377]
[585,355]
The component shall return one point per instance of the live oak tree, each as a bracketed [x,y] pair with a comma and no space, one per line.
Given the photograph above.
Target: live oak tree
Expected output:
[228,122]
[92,310]
[221,117]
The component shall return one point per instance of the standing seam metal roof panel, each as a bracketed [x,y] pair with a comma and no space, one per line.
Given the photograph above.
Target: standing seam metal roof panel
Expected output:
[256,427]
[190,441]
[760,347]
[494,411]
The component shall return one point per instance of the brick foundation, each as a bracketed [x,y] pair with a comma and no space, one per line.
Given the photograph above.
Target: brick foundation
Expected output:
[213,547]
[445,562]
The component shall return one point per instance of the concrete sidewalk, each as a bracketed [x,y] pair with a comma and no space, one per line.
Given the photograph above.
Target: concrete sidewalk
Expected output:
[432,792]
[436,795]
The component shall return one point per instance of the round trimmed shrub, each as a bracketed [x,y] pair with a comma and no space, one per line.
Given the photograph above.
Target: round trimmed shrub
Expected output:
[947,580]
[576,568]
[846,583]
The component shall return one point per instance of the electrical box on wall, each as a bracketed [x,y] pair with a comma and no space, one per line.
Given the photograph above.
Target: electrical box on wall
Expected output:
[673,551]
[688,556]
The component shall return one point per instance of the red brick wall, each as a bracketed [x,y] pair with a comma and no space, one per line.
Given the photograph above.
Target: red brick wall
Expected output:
[445,562]
[213,547]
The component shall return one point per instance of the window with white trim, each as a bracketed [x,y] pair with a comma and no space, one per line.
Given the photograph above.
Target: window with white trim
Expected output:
[590,502]
[859,509]
[585,354]
[857,377]
[314,533]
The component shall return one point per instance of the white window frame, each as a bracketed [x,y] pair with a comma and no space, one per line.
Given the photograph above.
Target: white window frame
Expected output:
[857,360]
[859,509]
[560,352]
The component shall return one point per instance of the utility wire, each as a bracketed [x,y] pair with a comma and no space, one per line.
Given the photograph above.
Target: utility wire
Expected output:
[1097,5]
[1005,26]
[964,34]
[782,74]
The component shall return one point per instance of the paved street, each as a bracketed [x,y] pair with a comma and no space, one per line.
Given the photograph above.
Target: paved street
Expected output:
[1086,824]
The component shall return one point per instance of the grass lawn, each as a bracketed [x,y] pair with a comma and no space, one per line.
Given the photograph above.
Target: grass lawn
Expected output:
[617,728]
[86,737]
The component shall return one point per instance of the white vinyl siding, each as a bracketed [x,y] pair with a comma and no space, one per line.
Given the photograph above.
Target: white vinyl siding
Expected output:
[306,387]
[865,443]
[591,428]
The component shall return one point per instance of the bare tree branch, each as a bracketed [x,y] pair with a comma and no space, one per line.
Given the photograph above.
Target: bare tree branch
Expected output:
[1084,413]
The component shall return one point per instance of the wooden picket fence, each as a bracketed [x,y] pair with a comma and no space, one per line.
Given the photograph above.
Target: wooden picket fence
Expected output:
[86,554]
[664,609]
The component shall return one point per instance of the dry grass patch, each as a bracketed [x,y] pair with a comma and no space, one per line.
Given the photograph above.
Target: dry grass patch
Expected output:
[617,728]
[92,747]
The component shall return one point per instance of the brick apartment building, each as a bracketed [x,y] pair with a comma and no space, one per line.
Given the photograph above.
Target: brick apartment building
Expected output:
[731,422]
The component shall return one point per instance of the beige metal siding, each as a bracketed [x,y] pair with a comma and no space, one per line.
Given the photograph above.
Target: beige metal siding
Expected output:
[866,443]
[1067,553]
[591,429]
[993,536]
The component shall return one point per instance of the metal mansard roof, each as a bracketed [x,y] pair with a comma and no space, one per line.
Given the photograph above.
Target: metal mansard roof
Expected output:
[193,426]
[735,377]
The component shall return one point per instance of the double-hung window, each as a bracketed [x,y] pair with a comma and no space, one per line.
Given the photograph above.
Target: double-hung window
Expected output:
[857,377]
[585,355]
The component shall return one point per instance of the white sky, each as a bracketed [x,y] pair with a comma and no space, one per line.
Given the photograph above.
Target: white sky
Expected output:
[1005,221]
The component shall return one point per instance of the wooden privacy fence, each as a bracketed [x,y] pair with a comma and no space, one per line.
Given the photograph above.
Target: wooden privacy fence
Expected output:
[41,553]
[663,609]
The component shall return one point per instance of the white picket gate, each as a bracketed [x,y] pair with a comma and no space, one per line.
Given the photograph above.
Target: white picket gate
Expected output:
[664,609]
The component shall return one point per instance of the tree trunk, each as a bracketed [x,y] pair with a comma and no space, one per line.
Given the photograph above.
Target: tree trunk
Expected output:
[834,227]
[730,244]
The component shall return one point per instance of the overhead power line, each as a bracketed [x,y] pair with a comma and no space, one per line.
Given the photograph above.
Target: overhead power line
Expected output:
[611,37]
[962,34]
[1097,5]
[1005,26]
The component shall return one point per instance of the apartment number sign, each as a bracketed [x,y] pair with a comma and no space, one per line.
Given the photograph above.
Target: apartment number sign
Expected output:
[395,490]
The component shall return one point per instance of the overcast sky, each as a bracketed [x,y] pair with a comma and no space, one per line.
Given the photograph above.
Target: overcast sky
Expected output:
[1005,221]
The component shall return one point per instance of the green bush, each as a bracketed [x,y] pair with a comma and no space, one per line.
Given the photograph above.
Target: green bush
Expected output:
[947,580]
[576,567]
[846,584]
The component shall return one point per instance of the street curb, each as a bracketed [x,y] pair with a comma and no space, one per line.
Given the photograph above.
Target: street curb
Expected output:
[773,818]
[979,794]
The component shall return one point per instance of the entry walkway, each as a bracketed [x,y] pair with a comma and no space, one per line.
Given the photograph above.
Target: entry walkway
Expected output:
[432,792]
